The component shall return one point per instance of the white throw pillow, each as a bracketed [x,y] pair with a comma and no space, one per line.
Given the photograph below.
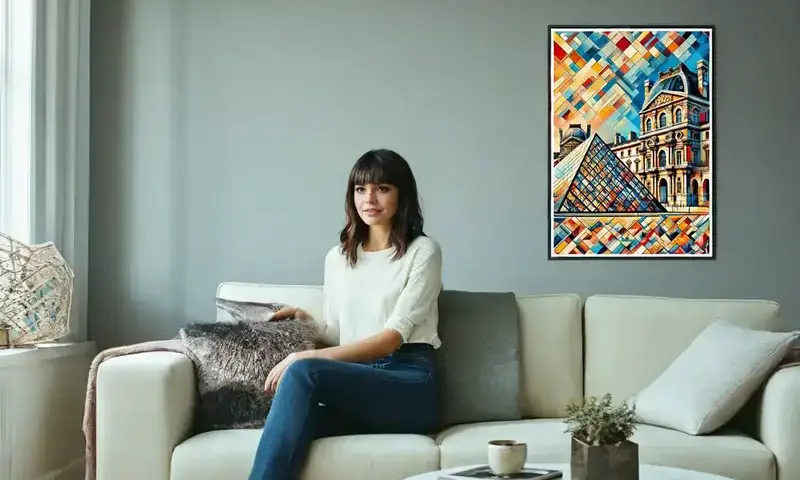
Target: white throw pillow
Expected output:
[712,379]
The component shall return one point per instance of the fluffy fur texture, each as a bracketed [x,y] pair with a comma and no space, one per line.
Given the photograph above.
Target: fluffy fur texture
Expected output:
[232,360]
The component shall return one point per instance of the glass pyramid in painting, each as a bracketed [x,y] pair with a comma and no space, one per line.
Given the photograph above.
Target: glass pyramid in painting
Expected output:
[592,179]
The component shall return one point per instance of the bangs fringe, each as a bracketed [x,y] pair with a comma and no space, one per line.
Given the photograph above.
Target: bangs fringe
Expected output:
[373,172]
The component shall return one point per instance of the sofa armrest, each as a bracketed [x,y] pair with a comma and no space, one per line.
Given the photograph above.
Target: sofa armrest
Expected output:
[145,403]
[779,420]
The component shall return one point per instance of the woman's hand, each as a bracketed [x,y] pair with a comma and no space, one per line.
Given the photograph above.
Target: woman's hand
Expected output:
[276,374]
[290,312]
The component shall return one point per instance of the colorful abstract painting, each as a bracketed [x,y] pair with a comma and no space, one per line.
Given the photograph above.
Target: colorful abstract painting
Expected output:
[631,143]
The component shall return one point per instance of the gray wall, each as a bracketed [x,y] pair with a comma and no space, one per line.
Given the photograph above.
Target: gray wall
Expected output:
[223,132]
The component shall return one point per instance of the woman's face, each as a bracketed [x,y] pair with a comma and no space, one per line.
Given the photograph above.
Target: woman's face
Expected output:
[376,204]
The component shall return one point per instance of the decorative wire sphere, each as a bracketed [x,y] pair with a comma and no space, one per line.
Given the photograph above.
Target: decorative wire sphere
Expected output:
[35,292]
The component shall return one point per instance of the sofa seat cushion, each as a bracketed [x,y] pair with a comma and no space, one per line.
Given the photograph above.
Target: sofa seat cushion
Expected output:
[229,454]
[727,452]
[467,444]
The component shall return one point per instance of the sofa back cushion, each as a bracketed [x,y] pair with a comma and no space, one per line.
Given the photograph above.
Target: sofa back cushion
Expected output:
[551,353]
[631,340]
[479,360]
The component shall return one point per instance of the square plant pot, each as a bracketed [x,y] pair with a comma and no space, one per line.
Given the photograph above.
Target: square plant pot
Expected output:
[603,462]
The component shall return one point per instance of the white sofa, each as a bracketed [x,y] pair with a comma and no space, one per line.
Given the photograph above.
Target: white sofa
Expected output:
[571,348]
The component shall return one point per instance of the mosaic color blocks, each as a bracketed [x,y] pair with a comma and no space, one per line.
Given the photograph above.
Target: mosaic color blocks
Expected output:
[654,234]
[599,75]
[631,142]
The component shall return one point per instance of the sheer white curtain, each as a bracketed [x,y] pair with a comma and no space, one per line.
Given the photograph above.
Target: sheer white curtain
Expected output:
[44,120]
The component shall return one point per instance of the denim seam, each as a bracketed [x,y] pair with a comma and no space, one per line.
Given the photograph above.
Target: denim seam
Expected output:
[304,426]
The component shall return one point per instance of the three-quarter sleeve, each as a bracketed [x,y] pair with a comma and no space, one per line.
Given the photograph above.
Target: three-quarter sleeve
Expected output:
[417,300]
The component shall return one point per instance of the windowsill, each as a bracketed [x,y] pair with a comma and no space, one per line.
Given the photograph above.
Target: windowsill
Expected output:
[46,351]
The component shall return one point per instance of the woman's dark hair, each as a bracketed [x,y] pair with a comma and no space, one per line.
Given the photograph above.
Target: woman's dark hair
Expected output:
[382,166]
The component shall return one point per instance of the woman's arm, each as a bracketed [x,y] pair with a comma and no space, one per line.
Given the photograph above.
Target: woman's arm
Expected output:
[376,346]
[379,345]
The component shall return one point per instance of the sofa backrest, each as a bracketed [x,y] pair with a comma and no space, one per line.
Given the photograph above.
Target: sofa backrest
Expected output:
[307,297]
[630,340]
[551,354]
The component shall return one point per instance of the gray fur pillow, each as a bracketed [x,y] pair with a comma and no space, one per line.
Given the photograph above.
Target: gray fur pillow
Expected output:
[232,360]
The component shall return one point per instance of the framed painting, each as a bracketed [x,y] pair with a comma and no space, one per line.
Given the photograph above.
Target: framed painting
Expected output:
[631,142]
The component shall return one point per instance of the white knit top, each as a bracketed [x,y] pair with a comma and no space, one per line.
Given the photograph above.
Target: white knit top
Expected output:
[380,292]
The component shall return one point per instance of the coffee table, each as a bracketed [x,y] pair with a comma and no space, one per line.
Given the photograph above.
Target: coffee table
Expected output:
[646,472]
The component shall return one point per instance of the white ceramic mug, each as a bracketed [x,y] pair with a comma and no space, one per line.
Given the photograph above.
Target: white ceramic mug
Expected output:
[507,457]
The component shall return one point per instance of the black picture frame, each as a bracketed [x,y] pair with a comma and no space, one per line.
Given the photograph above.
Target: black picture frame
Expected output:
[712,140]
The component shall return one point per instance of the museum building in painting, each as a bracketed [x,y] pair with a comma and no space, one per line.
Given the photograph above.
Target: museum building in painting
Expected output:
[671,155]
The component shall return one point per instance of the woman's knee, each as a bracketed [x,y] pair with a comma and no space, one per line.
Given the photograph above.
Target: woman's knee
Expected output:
[304,368]
[298,376]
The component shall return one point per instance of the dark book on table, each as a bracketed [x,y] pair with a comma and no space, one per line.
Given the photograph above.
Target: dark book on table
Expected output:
[484,472]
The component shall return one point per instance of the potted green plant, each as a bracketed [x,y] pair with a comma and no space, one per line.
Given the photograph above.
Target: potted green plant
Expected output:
[601,446]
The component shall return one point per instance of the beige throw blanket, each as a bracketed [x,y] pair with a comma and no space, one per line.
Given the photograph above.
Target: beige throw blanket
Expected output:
[792,358]
[89,427]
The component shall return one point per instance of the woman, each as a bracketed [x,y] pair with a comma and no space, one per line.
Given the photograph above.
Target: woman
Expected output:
[380,289]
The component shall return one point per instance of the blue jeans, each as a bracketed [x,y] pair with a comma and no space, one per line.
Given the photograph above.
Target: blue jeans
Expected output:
[319,398]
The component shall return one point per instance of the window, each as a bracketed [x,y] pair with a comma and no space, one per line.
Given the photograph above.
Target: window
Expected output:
[662,120]
[695,116]
[663,191]
[16,109]
[678,115]
[44,131]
